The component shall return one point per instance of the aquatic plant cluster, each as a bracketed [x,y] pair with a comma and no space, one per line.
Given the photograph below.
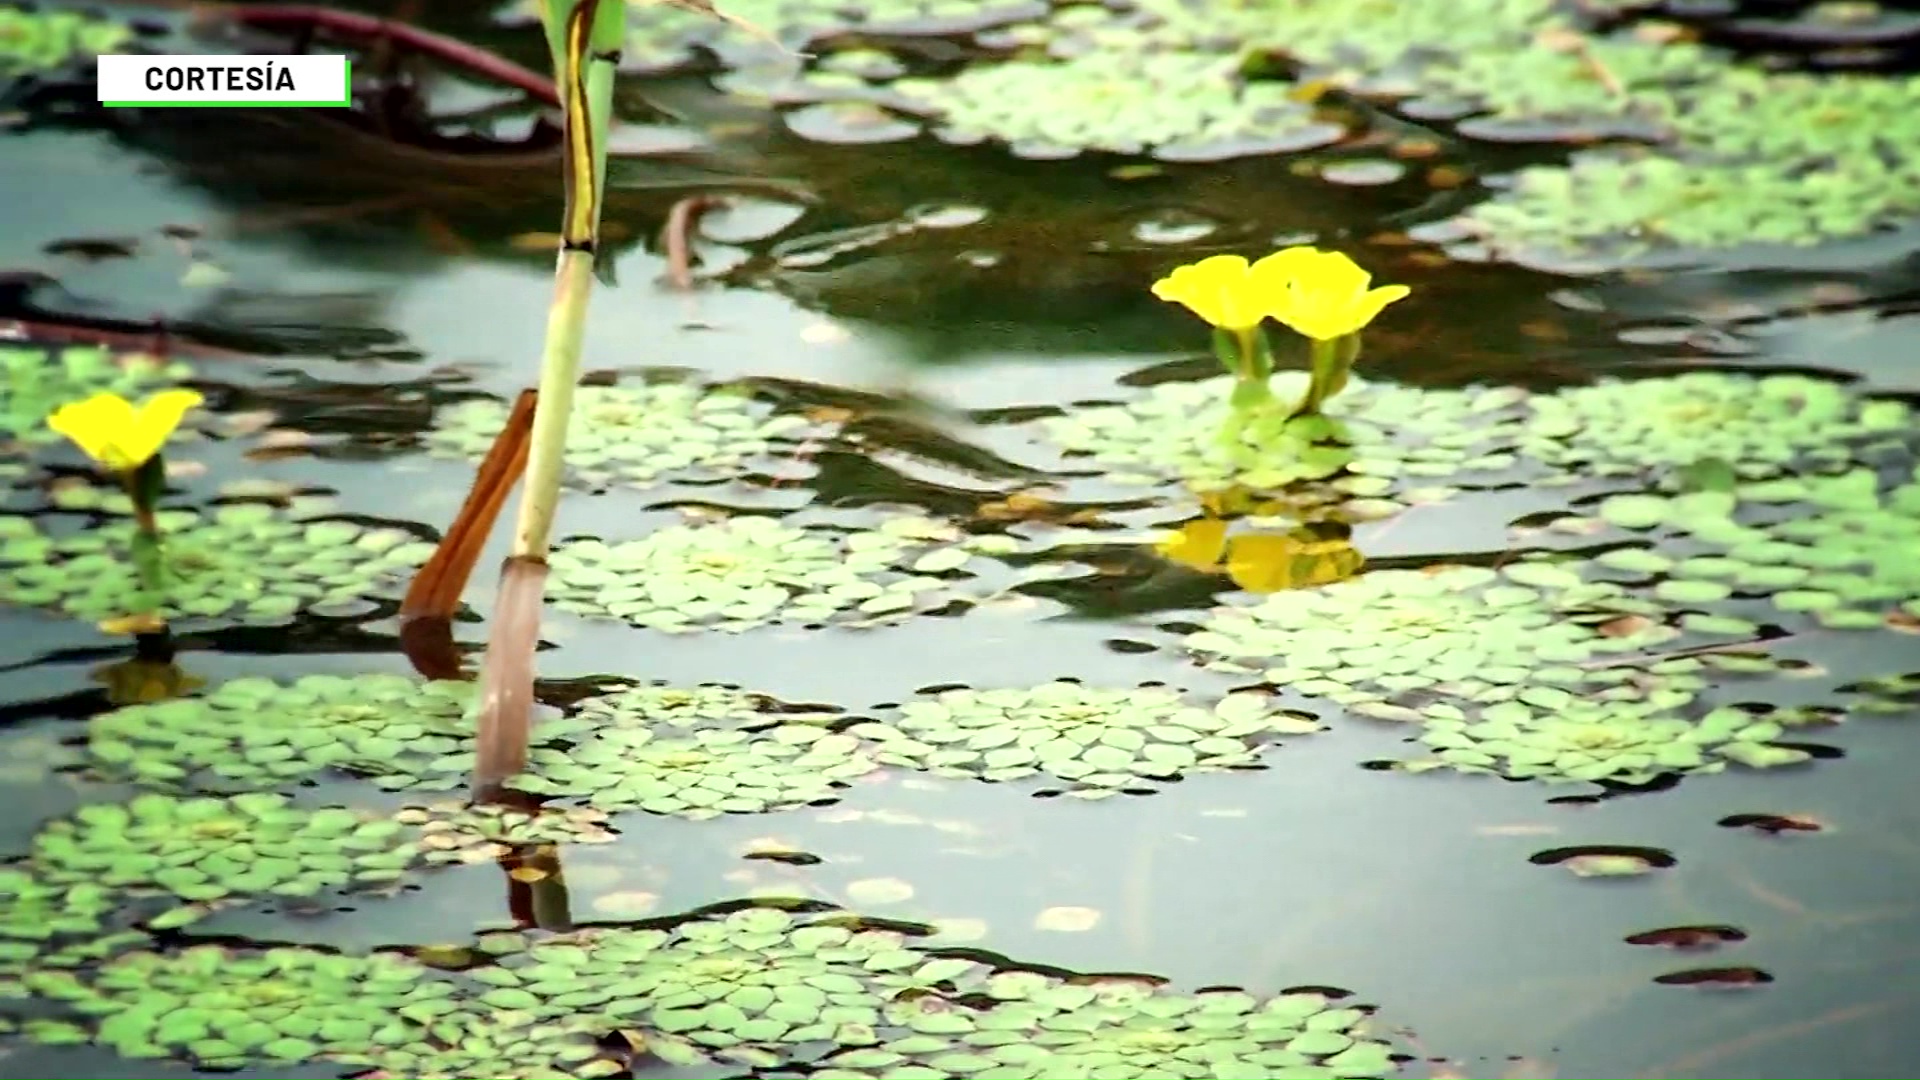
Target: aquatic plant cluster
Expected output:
[1723,510]
[36,41]
[636,431]
[744,988]
[1695,148]
[1709,491]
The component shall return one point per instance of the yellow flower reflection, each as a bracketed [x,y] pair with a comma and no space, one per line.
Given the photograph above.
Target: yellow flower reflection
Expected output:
[1265,562]
[1324,294]
[1226,290]
[1199,544]
[142,682]
[1301,559]
[117,433]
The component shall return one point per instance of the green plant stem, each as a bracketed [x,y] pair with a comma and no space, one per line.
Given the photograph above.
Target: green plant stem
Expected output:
[1330,363]
[1246,355]
[559,372]
[584,37]
[144,485]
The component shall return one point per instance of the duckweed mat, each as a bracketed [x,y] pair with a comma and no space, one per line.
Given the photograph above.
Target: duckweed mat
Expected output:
[1683,145]
[259,786]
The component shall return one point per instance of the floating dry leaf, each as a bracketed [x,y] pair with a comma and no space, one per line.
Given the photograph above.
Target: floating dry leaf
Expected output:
[1067,920]
[631,903]
[879,891]
[961,928]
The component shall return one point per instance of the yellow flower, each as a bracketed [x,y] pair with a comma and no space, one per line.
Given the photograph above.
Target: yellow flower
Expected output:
[118,434]
[1197,544]
[1226,291]
[1321,294]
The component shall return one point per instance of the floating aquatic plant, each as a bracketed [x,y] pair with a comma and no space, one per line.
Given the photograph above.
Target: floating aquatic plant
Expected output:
[34,380]
[1181,105]
[743,572]
[705,773]
[658,706]
[1471,633]
[206,849]
[758,987]
[255,732]
[1585,84]
[225,1009]
[1588,739]
[1887,695]
[1379,432]
[48,924]
[463,832]
[1838,121]
[1620,204]
[1103,740]
[757,984]
[665,36]
[1367,35]
[32,41]
[754,978]
[245,561]
[635,432]
[1757,425]
[1041,1027]
[1847,564]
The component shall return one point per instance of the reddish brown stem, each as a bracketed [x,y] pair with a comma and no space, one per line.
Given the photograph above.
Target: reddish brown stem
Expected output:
[505,724]
[436,588]
[371,30]
[426,615]
[678,236]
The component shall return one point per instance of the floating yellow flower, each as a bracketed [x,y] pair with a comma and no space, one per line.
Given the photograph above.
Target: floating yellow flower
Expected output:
[1321,294]
[119,434]
[1228,292]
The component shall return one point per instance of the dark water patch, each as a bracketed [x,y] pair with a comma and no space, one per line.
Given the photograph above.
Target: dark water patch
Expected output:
[1689,938]
[1606,860]
[1724,978]
[1772,824]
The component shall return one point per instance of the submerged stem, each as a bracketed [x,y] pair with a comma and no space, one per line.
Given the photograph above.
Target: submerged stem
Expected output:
[506,677]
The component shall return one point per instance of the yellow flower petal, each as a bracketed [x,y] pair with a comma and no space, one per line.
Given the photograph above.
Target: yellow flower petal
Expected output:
[1324,294]
[1219,289]
[1374,301]
[119,435]
[1281,267]
[97,425]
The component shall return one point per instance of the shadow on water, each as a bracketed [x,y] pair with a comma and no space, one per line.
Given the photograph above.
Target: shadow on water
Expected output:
[924,293]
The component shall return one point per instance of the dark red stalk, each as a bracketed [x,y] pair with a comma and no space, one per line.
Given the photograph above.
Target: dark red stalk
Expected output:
[370,30]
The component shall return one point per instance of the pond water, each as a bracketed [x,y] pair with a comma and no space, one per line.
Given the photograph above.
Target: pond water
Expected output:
[928,306]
